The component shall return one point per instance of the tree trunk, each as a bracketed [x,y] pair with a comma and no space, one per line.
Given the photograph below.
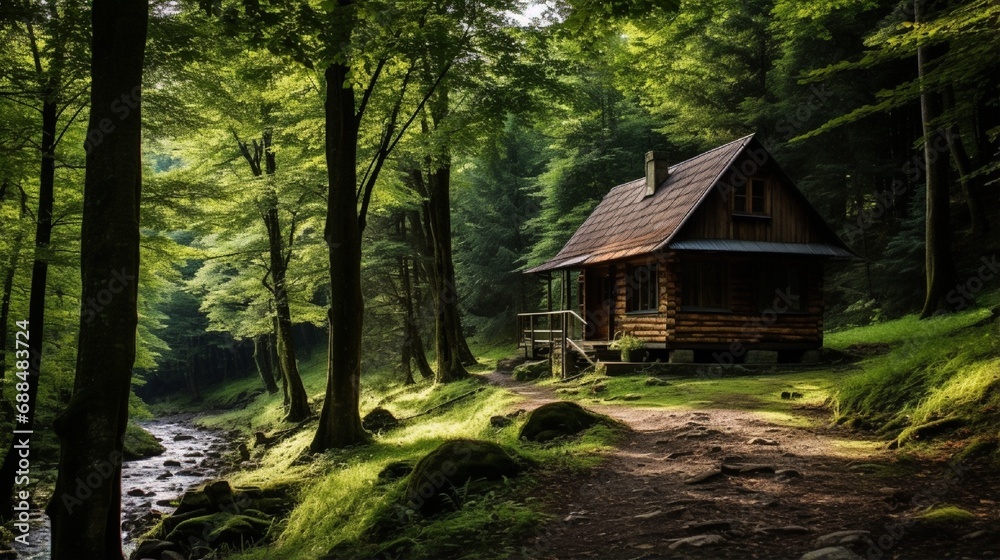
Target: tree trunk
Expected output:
[91,429]
[39,283]
[340,419]
[263,362]
[939,263]
[8,280]
[295,398]
[971,186]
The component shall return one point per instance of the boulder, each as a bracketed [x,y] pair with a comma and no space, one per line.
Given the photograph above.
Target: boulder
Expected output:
[395,471]
[508,364]
[532,370]
[379,420]
[234,530]
[441,477]
[557,419]
[152,548]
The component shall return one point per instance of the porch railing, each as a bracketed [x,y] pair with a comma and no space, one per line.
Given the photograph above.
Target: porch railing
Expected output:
[551,329]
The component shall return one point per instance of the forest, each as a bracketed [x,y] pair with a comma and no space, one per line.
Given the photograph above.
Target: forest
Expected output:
[262,264]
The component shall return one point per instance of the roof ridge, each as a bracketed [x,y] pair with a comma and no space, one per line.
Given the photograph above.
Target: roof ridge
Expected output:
[747,137]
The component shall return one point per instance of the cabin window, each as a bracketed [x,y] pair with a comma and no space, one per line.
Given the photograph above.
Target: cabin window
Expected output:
[705,285]
[750,197]
[781,288]
[641,292]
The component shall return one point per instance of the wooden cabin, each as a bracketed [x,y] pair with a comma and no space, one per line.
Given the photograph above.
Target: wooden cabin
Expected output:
[718,255]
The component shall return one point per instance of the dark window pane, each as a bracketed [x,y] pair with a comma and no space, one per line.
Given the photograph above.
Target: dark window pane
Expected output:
[740,198]
[758,193]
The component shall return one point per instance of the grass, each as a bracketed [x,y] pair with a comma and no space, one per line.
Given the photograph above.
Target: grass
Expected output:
[341,501]
[949,367]
[761,393]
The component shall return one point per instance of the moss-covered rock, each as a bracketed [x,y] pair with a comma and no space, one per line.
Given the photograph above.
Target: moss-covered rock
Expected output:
[140,444]
[532,370]
[441,478]
[558,419]
[379,420]
[945,516]
[218,529]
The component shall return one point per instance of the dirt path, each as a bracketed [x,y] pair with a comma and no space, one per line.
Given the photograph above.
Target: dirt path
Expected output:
[639,502]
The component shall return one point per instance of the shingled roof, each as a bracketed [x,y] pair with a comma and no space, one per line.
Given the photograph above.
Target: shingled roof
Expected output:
[628,223]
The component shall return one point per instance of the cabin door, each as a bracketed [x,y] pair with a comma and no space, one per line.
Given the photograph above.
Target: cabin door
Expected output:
[600,304]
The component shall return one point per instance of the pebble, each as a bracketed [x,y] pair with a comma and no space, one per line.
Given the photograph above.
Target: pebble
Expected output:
[762,441]
[697,541]
[841,538]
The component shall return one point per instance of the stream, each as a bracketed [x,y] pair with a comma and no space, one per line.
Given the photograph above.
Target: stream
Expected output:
[193,456]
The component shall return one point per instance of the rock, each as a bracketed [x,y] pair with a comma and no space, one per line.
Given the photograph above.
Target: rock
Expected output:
[711,525]
[747,469]
[499,422]
[790,395]
[704,476]
[676,454]
[152,548]
[681,357]
[598,388]
[221,529]
[575,516]
[508,364]
[395,470]
[631,397]
[183,437]
[844,538]
[431,487]
[164,475]
[244,451]
[136,492]
[697,541]
[788,473]
[379,420]
[786,530]
[761,357]
[761,441]
[655,382]
[171,463]
[557,419]
[260,438]
[194,454]
[530,371]
[189,472]
[649,515]
[831,553]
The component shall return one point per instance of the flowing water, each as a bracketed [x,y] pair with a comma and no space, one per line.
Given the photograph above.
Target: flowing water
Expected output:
[193,455]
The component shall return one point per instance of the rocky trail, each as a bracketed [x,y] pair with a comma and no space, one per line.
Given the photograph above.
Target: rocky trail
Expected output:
[727,483]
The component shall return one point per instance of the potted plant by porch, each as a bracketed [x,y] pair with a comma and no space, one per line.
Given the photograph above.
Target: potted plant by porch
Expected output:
[626,343]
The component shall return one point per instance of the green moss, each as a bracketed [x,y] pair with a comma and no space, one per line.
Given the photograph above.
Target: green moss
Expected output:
[945,514]
[140,444]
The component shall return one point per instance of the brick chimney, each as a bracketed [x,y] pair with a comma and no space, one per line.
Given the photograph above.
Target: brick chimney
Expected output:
[657,171]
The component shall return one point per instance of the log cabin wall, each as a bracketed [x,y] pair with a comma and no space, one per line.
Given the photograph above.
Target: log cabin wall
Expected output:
[652,327]
[749,322]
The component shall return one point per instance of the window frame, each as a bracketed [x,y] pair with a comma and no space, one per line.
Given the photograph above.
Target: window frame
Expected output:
[799,291]
[636,288]
[763,183]
[697,267]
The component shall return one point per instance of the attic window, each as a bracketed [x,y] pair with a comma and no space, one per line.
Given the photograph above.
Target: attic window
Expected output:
[751,197]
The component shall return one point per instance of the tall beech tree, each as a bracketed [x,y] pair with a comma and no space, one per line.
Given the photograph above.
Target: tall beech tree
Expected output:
[91,429]
[263,165]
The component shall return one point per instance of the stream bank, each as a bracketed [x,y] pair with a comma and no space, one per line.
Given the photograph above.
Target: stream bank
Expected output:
[151,486]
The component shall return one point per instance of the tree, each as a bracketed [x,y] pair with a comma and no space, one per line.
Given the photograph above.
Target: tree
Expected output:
[298,401]
[53,76]
[92,427]
[940,264]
